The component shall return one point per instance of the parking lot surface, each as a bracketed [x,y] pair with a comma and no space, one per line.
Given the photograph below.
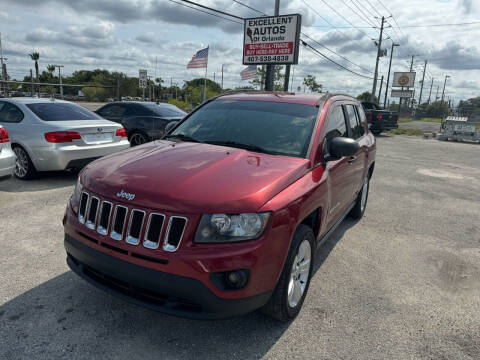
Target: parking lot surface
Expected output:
[402,283]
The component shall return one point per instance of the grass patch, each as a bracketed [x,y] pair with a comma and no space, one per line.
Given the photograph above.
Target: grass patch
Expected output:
[434,120]
[409,132]
[404,119]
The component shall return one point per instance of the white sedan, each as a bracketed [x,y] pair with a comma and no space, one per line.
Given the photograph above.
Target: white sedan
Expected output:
[7,157]
[49,134]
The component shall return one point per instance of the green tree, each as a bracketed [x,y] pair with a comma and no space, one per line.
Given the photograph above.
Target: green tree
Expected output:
[366,95]
[260,78]
[311,83]
[35,56]
[94,94]
[470,107]
[437,109]
[51,69]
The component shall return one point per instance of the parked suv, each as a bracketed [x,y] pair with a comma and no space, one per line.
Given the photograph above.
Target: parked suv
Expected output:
[143,121]
[224,214]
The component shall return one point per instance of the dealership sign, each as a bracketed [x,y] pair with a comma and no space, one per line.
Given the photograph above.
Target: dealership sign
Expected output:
[402,93]
[271,40]
[401,79]
[142,79]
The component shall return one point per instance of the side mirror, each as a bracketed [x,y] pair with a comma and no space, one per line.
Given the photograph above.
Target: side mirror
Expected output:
[342,146]
[170,126]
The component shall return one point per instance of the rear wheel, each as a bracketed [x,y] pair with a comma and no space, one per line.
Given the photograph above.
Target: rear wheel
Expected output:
[24,168]
[138,138]
[292,287]
[361,203]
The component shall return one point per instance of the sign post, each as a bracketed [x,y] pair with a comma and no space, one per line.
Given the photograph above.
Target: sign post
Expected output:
[271,40]
[142,81]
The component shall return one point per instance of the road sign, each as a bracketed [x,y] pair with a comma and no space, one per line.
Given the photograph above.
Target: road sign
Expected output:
[403,79]
[271,40]
[402,93]
[142,79]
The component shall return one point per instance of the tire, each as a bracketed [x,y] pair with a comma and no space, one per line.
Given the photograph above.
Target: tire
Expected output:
[361,203]
[281,306]
[138,138]
[24,168]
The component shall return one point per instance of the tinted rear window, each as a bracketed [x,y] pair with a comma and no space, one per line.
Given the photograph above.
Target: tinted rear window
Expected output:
[62,112]
[167,110]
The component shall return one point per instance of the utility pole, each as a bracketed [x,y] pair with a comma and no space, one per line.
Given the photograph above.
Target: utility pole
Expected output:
[3,66]
[287,78]
[60,78]
[423,79]
[32,91]
[222,76]
[270,76]
[118,88]
[388,76]
[379,48]
[430,95]
[293,77]
[380,90]
[444,83]
[436,96]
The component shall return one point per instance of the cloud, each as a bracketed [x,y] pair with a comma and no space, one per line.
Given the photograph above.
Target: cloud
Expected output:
[148,38]
[99,35]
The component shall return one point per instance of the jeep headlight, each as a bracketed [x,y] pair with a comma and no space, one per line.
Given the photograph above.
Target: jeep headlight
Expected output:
[216,228]
[77,193]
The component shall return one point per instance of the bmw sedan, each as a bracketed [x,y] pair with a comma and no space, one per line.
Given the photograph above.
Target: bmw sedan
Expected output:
[49,134]
[143,121]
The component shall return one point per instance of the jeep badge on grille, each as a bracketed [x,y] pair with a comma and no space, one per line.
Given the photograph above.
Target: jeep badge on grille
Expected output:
[128,196]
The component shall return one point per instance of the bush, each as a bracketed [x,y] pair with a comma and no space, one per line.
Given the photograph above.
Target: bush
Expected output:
[180,104]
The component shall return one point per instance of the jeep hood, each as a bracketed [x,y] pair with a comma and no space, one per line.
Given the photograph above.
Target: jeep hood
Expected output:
[193,178]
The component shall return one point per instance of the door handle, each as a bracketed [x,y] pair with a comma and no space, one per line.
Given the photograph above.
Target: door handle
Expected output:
[352,159]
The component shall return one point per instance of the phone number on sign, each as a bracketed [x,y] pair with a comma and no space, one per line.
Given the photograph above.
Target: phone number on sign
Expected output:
[268,58]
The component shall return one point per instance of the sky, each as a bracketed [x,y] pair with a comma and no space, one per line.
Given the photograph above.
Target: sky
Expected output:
[162,35]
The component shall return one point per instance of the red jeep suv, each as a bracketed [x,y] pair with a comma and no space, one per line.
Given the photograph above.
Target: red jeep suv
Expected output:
[224,214]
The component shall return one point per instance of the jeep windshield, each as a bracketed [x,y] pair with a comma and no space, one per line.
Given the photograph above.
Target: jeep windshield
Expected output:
[260,126]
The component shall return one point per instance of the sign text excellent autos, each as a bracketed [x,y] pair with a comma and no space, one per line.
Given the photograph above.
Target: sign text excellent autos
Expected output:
[271,40]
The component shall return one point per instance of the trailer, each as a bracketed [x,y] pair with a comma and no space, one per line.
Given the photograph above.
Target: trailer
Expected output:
[460,128]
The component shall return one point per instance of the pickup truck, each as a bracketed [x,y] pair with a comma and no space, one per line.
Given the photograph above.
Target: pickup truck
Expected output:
[223,215]
[378,119]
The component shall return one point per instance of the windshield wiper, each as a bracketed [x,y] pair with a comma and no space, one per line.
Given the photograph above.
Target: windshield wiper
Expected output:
[182,137]
[240,145]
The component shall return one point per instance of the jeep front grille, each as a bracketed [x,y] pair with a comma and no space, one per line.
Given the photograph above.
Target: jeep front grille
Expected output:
[123,223]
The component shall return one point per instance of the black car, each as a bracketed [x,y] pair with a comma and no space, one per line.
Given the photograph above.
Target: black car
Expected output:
[143,121]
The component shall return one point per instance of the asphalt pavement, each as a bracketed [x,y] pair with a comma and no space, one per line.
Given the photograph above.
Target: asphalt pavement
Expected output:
[402,283]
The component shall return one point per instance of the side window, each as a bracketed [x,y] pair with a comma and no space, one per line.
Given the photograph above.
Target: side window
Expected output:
[116,110]
[353,121]
[10,113]
[363,119]
[105,111]
[336,124]
[140,110]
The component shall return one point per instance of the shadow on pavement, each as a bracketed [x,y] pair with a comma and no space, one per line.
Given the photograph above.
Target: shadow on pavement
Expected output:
[68,318]
[45,181]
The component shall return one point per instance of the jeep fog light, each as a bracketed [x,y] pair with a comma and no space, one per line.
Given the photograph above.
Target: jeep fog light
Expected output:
[227,228]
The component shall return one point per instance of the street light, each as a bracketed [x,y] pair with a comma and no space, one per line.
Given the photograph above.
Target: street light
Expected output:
[60,78]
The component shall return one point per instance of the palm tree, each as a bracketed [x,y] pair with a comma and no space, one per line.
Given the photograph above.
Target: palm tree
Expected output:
[35,56]
[51,69]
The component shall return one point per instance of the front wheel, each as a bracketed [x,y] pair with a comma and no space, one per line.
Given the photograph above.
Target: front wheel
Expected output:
[292,287]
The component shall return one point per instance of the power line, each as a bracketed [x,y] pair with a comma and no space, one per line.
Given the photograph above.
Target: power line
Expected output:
[249,7]
[206,12]
[321,17]
[344,18]
[343,57]
[374,9]
[360,9]
[308,46]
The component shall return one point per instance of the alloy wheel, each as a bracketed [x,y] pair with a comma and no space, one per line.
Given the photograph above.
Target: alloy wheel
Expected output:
[21,164]
[364,195]
[299,273]
[137,139]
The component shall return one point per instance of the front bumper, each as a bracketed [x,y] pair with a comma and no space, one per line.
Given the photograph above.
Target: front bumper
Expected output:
[62,157]
[153,289]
